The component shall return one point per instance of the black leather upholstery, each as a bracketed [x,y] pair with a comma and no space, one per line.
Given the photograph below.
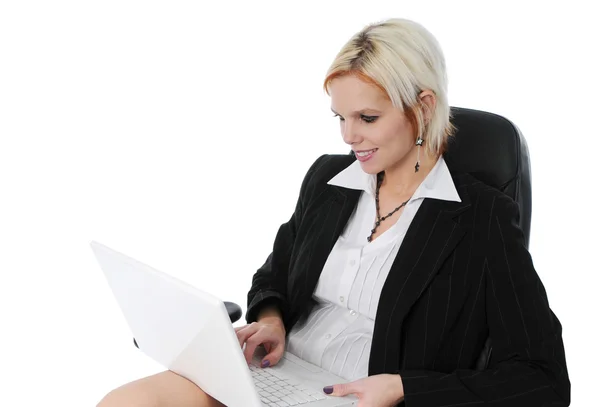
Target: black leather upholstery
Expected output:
[492,149]
[234,311]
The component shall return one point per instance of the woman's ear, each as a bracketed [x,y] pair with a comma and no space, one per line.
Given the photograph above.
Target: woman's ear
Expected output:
[428,101]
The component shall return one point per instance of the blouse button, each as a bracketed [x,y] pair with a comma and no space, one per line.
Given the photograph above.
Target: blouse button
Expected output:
[352,262]
[342,299]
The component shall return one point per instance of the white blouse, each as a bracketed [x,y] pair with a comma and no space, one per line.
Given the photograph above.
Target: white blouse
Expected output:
[337,335]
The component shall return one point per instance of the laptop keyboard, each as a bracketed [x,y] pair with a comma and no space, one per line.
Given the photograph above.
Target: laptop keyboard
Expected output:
[276,390]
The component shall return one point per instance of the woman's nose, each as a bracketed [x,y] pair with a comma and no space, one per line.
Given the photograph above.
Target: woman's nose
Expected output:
[349,133]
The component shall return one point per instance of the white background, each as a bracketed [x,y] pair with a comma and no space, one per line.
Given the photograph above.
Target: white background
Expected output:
[179,134]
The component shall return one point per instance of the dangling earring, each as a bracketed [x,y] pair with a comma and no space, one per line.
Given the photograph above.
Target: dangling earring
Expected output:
[419,143]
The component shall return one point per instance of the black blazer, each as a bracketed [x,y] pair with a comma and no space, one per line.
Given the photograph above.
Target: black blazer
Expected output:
[462,274]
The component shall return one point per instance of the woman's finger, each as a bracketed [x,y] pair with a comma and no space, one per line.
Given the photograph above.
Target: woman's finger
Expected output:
[344,389]
[251,344]
[245,333]
[274,353]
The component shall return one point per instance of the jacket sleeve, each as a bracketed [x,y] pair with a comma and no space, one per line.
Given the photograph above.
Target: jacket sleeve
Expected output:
[269,283]
[528,366]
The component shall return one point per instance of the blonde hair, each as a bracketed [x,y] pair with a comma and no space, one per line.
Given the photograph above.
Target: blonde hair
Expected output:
[402,59]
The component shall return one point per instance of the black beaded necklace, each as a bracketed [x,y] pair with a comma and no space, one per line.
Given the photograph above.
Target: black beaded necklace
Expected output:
[379,217]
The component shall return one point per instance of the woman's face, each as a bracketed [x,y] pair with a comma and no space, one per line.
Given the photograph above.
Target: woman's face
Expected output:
[381,136]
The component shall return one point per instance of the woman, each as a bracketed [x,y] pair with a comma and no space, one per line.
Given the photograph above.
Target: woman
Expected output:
[392,272]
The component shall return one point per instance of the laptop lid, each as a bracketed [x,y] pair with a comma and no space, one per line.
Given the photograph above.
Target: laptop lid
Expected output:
[186,330]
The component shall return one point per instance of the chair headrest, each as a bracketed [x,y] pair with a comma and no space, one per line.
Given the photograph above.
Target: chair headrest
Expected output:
[493,150]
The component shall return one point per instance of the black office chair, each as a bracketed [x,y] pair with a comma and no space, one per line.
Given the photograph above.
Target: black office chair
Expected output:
[493,150]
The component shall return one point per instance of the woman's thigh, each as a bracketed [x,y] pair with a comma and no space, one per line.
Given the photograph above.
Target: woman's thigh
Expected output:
[164,389]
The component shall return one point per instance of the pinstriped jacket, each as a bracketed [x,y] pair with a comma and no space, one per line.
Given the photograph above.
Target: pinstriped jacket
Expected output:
[462,274]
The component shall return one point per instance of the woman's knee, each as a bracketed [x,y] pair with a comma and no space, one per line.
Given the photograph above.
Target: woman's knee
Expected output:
[132,394]
[164,389]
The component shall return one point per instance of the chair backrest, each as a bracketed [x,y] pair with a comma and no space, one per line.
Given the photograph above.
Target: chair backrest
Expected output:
[493,150]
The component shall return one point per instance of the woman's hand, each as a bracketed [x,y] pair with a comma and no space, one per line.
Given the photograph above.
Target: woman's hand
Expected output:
[269,332]
[383,390]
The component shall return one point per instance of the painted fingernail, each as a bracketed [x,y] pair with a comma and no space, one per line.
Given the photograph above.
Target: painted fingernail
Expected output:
[265,363]
[328,390]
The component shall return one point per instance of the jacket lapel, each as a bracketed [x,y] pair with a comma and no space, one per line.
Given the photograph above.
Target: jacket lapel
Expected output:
[324,222]
[431,237]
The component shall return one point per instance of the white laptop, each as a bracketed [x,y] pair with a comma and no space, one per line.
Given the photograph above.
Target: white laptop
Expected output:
[189,332]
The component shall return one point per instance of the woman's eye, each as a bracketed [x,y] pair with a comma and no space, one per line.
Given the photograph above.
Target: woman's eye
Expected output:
[368,119]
